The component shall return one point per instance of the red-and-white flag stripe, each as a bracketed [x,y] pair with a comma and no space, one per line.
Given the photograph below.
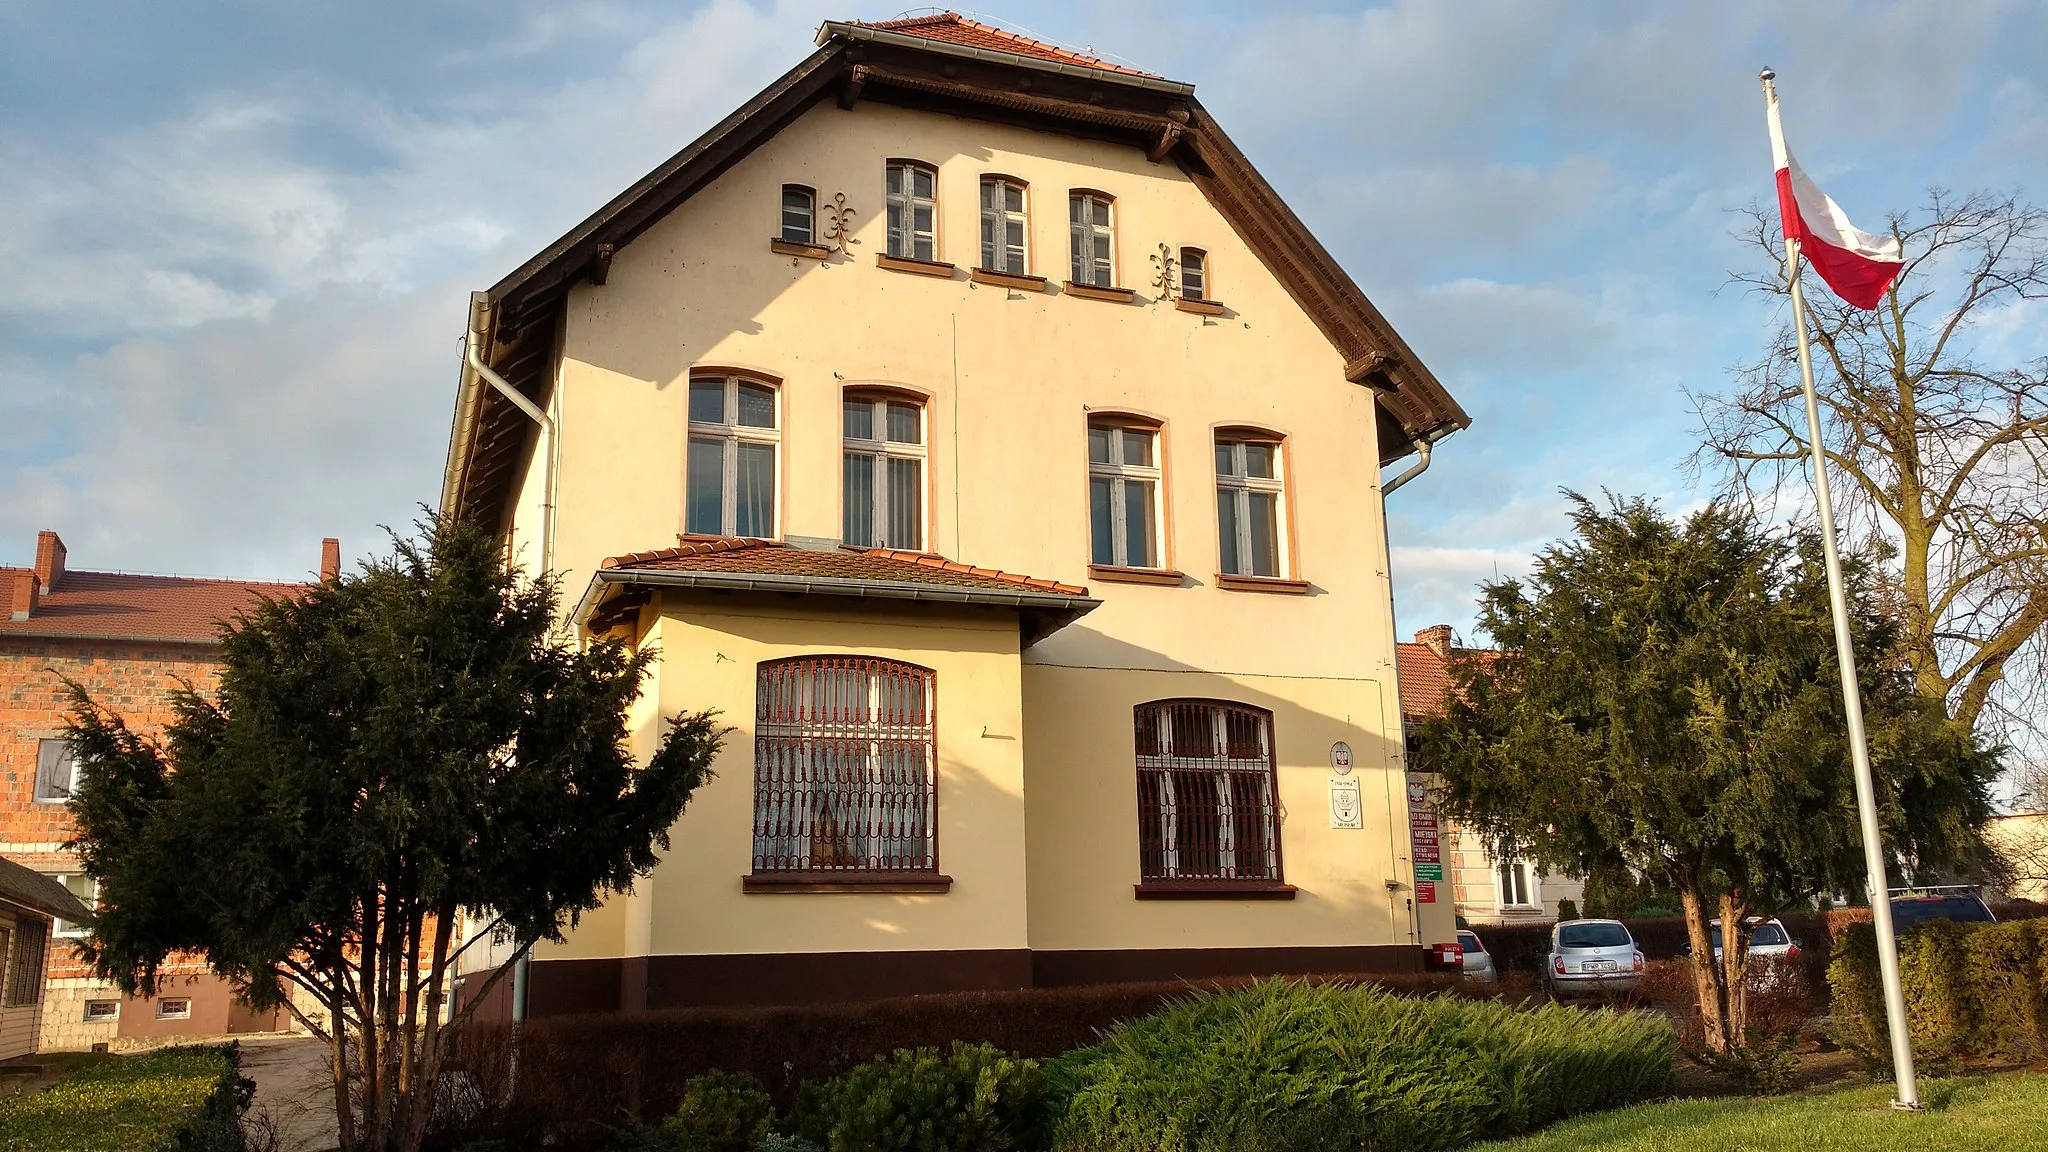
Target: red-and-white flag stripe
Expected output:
[1857,265]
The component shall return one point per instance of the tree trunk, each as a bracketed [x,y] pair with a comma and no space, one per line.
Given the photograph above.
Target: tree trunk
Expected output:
[1735,967]
[1706,975]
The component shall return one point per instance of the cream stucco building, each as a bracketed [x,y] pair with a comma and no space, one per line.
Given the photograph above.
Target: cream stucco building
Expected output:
[973,426]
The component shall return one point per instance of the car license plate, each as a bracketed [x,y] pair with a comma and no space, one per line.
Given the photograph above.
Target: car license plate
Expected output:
[1599,965]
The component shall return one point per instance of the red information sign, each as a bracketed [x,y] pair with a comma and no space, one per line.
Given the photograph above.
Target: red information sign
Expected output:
[1425,891]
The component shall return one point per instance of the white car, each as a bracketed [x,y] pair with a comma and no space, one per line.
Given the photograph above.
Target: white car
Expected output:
[1591,957]
[1478,964]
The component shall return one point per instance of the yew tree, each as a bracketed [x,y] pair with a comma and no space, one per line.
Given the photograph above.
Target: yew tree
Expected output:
[1665,700]
[389,755]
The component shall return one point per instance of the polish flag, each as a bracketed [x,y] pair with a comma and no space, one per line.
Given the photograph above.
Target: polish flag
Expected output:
[1857,265]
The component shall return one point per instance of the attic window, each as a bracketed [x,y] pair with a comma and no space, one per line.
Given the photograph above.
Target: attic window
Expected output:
[1088,218]
[912,191]
[1003,226]
[1194,274]
[799,214]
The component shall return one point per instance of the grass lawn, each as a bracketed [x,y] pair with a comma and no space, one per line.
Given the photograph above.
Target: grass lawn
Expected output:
[111,1102]
[2004,1112]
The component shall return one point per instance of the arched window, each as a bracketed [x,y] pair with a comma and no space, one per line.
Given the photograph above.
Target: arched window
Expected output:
[1088,222]
[1208,795]
[1124,479]
[844,767]
[911,196]
[1005,230]
[799,214]
[729,481]
[1194,274]
[882,473]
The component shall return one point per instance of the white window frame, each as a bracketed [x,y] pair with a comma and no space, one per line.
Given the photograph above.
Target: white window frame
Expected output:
[733,434]
[1082,233]
[810,215]
[883,450]
[1200,279]
[1532,881]
[66,758]
[1118,473]
[64,929]
[165,1012]
[89,1018]
[903,242]
[1002,217]
[1240,487]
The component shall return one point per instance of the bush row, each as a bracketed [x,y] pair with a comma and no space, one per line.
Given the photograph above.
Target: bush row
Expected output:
[186,1099]
[1281,1066]
[598,1070]
[1972,990]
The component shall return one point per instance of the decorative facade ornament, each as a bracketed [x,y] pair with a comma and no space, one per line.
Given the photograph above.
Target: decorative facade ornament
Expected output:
[837,233]
[1167,281]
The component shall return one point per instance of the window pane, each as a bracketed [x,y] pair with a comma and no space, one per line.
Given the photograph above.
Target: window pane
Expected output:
[903,424]
[991,224]
[1138,524]
[707,401]
[989,192]
[1226,532]
[1137,447]
[1258,460]
[921,182]
[53,770]
[1013,247]
[757,406]
[906,504]
[1101,521]
[922,247]
[1099,210]
[857,525]
[859,420]
[899,243]
[1076,266]
[1098,445]
[1074,210]
[895,178]
[1013,198]
[1192,267]
[704,488]
[1226,460]
[1265,517]
[755,511]
[796,215]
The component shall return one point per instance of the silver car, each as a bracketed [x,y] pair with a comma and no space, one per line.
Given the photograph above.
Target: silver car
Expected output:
[1591,957]
[1478,964]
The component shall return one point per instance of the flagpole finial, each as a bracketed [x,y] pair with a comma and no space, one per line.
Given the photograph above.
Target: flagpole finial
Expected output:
[1767,75]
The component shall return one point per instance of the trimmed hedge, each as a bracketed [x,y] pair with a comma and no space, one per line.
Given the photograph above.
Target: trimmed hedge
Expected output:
[186,1099]
[1292,1067]
[1972,990]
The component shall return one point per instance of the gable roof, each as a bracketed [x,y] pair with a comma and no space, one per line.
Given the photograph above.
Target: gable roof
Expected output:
[26,888]
[740,564]
[944,63]
[129,606]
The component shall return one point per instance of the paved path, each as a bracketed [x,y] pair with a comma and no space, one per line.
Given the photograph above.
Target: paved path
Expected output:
[294,1092]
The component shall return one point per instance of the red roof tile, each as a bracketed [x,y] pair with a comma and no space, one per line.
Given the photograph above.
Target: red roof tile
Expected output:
[119,605]
[1426,678]
[953,28]
[766,557]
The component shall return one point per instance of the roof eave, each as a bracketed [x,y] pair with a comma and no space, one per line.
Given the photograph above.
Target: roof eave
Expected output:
[845,31]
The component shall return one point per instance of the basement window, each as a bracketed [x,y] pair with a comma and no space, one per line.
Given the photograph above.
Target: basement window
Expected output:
[179,1009]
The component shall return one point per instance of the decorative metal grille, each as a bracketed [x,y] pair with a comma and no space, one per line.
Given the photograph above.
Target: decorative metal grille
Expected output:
[843,767]
[1208,805]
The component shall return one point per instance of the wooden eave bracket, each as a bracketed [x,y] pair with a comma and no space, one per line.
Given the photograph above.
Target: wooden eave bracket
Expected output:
[601,263]
[1169,135]
[1375,370]
[856,79]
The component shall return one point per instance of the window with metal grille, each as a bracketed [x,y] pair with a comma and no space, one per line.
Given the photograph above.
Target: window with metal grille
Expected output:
[844,766]
[882,472]
[1208,797]
[24,972]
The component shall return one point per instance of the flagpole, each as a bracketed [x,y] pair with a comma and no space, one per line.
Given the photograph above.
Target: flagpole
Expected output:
[1845,653]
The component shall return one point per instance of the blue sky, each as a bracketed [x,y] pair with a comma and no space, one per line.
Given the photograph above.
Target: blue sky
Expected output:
[237,239]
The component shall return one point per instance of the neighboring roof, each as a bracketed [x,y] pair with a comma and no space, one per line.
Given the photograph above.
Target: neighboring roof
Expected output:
[737,564]
[1426,682]
[953,28]
[125,606]
[30,889]
[941,63]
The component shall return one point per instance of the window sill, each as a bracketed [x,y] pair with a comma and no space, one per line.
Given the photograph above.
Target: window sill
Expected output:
[1214,890]
[798,248]
[1199,307]
[1096,292]
[1007,280]
[937,268]
[874,883]
[1262,584]
[1116,574]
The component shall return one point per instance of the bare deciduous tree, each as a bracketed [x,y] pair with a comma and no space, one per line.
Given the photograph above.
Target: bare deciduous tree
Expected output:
[1935,451]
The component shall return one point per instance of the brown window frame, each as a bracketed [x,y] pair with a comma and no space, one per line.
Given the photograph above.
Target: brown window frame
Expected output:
[813,777]
[1192,846]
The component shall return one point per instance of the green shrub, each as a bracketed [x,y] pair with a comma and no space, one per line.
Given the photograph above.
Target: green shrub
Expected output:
[1291,1067]
[975,1098]
[186,1099]
[720,1112]
[1972,990]
[1566,910]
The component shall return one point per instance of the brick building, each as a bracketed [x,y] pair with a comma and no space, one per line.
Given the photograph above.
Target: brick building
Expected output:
[130,640]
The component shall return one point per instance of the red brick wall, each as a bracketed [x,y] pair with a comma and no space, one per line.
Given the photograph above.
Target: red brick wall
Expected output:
[133,679]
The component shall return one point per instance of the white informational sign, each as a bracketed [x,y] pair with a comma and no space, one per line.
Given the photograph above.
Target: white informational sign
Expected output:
[1345,809]
[1340,758]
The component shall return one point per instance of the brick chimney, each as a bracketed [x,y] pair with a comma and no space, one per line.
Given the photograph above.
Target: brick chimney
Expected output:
[20,586]
[1437,639]
[49,560]
[330,559]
